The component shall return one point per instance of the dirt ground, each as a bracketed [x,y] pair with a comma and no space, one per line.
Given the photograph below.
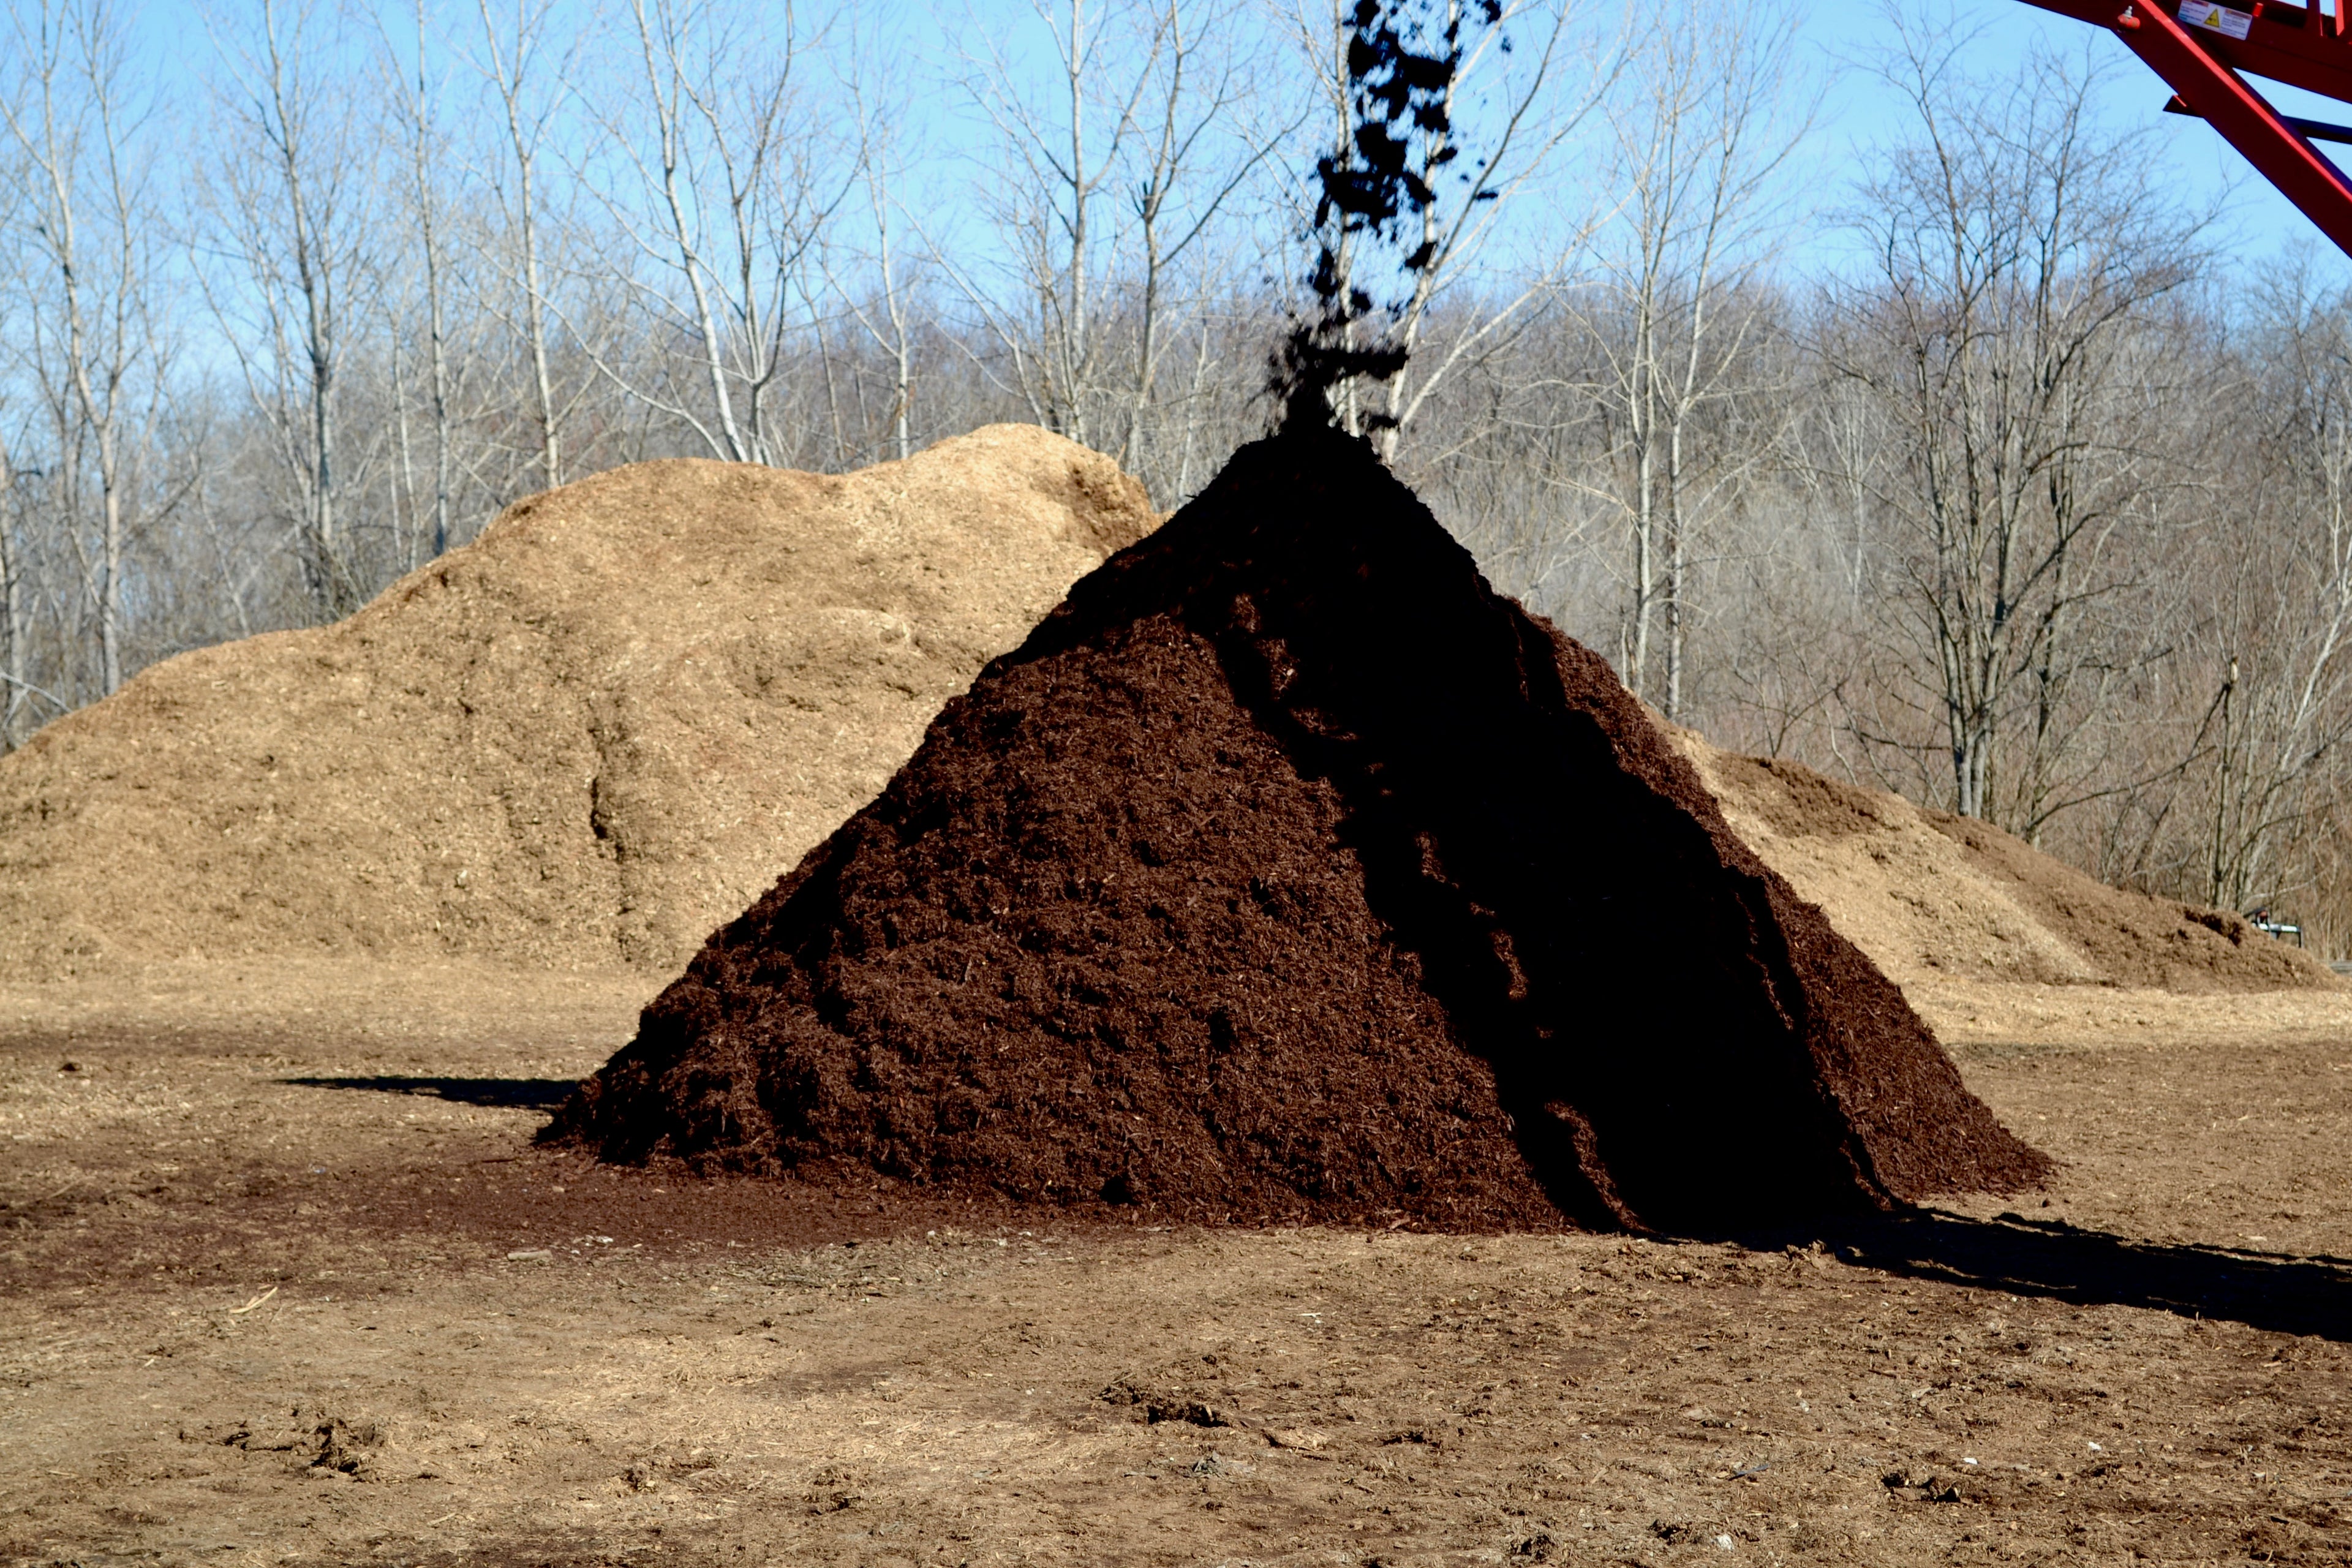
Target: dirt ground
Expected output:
[282,1281]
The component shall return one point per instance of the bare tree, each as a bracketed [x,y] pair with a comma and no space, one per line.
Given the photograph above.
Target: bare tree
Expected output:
[13,692]
[1067,151]
[1698,155]
[415,100]
[290,214]
[733,175]
[883,311]
[2277,647]
[530,92]
[17,692]
[1203,134]
[1541,106]
[2017,251]
[1148,98]
[86,256]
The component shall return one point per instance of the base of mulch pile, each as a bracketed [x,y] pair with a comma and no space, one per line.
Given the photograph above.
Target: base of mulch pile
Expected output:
[1288,870]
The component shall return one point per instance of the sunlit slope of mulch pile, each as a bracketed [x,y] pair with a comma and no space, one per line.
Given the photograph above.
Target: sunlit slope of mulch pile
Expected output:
[583,739]
[1934,897]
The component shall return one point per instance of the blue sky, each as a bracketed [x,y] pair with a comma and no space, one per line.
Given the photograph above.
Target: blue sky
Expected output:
[2260,226]
[1854,113]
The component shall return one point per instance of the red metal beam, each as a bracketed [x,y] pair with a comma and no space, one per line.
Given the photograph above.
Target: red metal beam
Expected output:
[2283,42]
[2198,65]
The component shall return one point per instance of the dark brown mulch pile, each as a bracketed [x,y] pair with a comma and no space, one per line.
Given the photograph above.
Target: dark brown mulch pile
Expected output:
[1288,870]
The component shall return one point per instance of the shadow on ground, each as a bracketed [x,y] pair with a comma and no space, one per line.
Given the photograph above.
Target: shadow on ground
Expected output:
[510,1094]
[2050,1258]
[2013,1254]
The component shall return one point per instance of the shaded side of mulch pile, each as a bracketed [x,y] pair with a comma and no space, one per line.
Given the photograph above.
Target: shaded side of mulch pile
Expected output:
[1287,871]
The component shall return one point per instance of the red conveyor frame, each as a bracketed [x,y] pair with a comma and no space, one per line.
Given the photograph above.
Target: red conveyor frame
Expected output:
[2297,44]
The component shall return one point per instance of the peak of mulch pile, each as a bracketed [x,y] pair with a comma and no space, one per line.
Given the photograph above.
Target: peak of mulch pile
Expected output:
[1287,871]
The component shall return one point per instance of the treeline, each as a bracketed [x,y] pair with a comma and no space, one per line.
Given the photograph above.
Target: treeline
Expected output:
[2014,510]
